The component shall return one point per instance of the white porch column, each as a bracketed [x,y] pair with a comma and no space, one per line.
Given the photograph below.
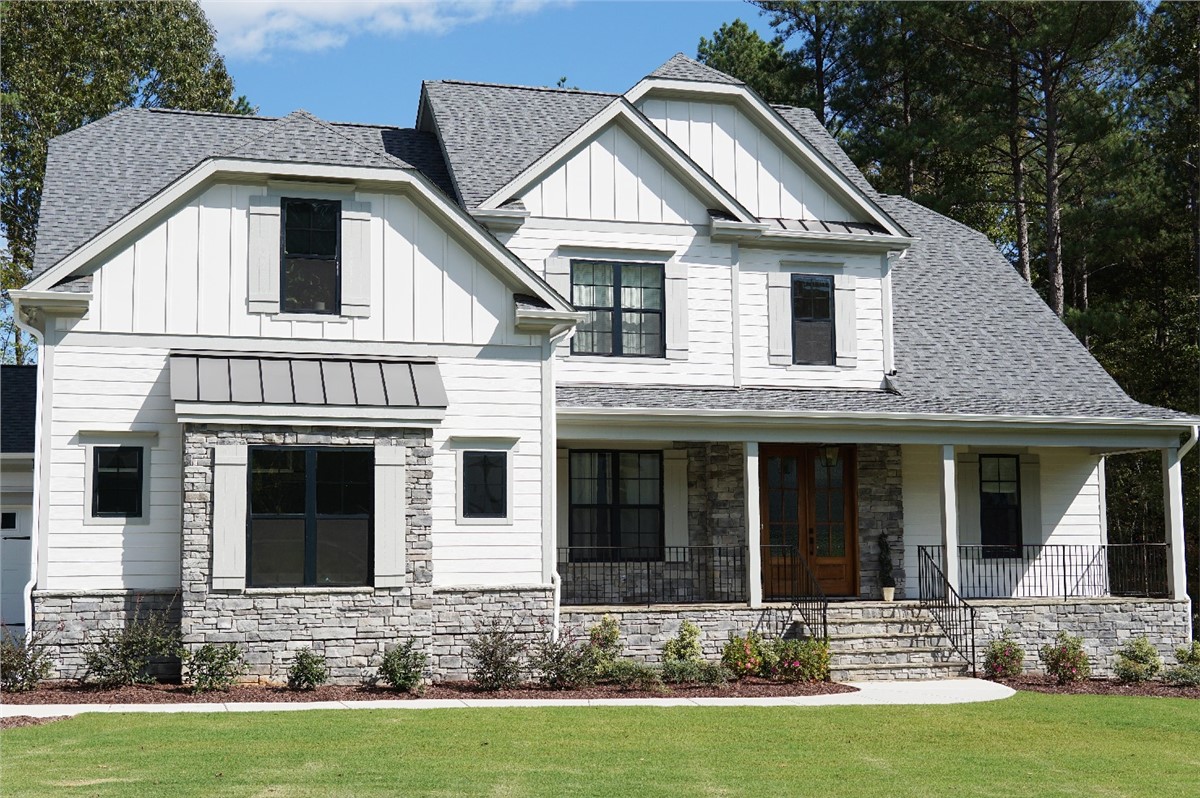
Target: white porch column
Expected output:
[950,516]
[753,527]
[1173,515]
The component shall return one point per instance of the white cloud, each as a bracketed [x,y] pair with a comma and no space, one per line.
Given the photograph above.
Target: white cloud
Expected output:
[257,28]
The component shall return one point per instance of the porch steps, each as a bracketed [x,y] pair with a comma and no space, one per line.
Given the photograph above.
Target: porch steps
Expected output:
[898,640]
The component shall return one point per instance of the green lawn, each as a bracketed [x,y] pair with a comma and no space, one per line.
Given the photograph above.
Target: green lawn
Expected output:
[1028,745]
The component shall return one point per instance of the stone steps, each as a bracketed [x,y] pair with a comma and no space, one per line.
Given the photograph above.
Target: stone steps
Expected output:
[900,671]
[889,642]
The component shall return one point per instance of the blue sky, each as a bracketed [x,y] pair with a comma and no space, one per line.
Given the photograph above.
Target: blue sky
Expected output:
[364,61]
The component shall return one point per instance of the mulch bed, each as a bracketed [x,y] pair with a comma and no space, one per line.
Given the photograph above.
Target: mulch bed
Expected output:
[71,693]
[17,721]
[1045,684]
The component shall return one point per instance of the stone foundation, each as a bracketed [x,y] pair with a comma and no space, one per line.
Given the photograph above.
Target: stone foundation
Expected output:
[460,612]
[69,621]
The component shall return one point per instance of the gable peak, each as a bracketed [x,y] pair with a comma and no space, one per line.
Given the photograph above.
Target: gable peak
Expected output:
[681,67]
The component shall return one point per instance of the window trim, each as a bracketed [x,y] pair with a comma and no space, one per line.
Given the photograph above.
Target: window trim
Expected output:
[310,518]
[614,508]
[795,278]
[1002,550]
[337,260]
[146,441]
[618,311]
[463,445]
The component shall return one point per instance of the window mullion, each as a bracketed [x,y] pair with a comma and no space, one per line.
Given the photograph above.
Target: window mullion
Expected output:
[617,347]
[310,516]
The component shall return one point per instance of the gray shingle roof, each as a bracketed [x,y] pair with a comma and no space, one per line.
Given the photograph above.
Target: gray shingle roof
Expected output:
[804,121]
[492,133]
[18,408]
[680,67]
[99,173]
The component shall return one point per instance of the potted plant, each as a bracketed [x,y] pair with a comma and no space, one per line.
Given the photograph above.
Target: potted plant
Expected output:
[887,582]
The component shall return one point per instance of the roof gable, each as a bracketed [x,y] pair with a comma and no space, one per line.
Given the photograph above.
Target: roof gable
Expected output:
[680,67]
[302,138]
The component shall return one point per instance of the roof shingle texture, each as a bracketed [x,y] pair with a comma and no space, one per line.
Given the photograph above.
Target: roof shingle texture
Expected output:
[99,173]
[680,67]
[18,408]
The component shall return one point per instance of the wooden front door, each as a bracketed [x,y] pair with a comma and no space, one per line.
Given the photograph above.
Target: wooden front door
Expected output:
[808,512]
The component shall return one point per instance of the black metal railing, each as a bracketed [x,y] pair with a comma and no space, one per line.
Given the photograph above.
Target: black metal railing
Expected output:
[660,575]
[787,577]
[1061,570]
[948,608]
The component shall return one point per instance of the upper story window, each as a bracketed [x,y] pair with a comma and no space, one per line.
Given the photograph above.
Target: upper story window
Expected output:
[1000,505]
[117,482]
[624,306]
[310,264]
[812,320]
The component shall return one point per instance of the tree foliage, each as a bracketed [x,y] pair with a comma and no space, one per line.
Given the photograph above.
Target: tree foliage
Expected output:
[67,64]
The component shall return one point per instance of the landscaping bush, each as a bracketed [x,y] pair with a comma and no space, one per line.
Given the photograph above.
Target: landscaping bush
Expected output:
[685,646]
[743,656]
[632,675]
[497,652]
[1137,661]
[695,672]
[212,667]
[604,639]
[1003,658]
[307,671]
[1185,675]
[563,663]
[797,660]
[24,661]
[1066,660]
[403,666]
[121,657]
[1189,654]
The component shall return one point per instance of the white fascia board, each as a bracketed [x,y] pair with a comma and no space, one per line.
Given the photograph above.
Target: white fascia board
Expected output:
[306,415]
[501,219]
[551,322]
[233,169]
[31,306]
[783,131]
[622,112]
[784,238]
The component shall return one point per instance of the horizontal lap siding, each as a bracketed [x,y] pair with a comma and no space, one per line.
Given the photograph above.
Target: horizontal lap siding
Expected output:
[921,475]
[1070,494]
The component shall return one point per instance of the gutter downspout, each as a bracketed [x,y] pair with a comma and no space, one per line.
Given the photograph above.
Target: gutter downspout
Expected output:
[550,452]
[1190,442]
[35,522]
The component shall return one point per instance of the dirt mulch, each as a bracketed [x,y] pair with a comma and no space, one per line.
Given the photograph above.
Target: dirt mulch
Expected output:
[17,721]
[71,693]
[1045,684]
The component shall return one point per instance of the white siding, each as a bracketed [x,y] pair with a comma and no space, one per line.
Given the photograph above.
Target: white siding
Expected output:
[745,160]
[921,479]
[614,178]
[188,276]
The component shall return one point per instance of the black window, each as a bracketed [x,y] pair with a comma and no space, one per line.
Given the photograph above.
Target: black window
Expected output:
[1000,505]
[624,306]
[309,280]
[812,320]
[117,482]
[310,519]
[616,506]
[8,520]
[485,484]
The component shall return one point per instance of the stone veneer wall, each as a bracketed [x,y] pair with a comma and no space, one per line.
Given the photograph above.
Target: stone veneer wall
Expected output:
[1105,624]
[459,613]
[880,509]
[350,626]
[71,620]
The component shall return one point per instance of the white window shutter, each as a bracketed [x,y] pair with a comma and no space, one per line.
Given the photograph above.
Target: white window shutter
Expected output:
[265,252]
[675,504]
[779,318]
[845,323]
[391,519]
[229,517]
[558,275]
[356,259]
[675,304]
[967,484]
[1031,499]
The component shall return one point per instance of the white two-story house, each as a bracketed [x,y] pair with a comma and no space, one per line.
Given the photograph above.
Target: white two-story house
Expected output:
[555,353]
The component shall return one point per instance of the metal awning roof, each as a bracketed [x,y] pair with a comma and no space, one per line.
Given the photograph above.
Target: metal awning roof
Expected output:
[287,379]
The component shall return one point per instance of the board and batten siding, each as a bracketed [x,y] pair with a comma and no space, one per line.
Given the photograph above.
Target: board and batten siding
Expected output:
[615,178]
[744,159]
[188,275]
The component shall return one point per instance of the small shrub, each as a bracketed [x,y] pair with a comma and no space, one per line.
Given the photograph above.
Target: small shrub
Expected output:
[1185,675]
[632,675]
[1189,655]
[1137,661]
[743,656]
[605,641]
[24,661]
[403,666]
[307,671]
[1004,658]
[212,667]
[1066,660]
[685,646]
[563,664]
[497,653]
[121,657]
[695,672]
[798,660]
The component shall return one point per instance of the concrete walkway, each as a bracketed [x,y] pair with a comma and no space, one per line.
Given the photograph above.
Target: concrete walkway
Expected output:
[943,691]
